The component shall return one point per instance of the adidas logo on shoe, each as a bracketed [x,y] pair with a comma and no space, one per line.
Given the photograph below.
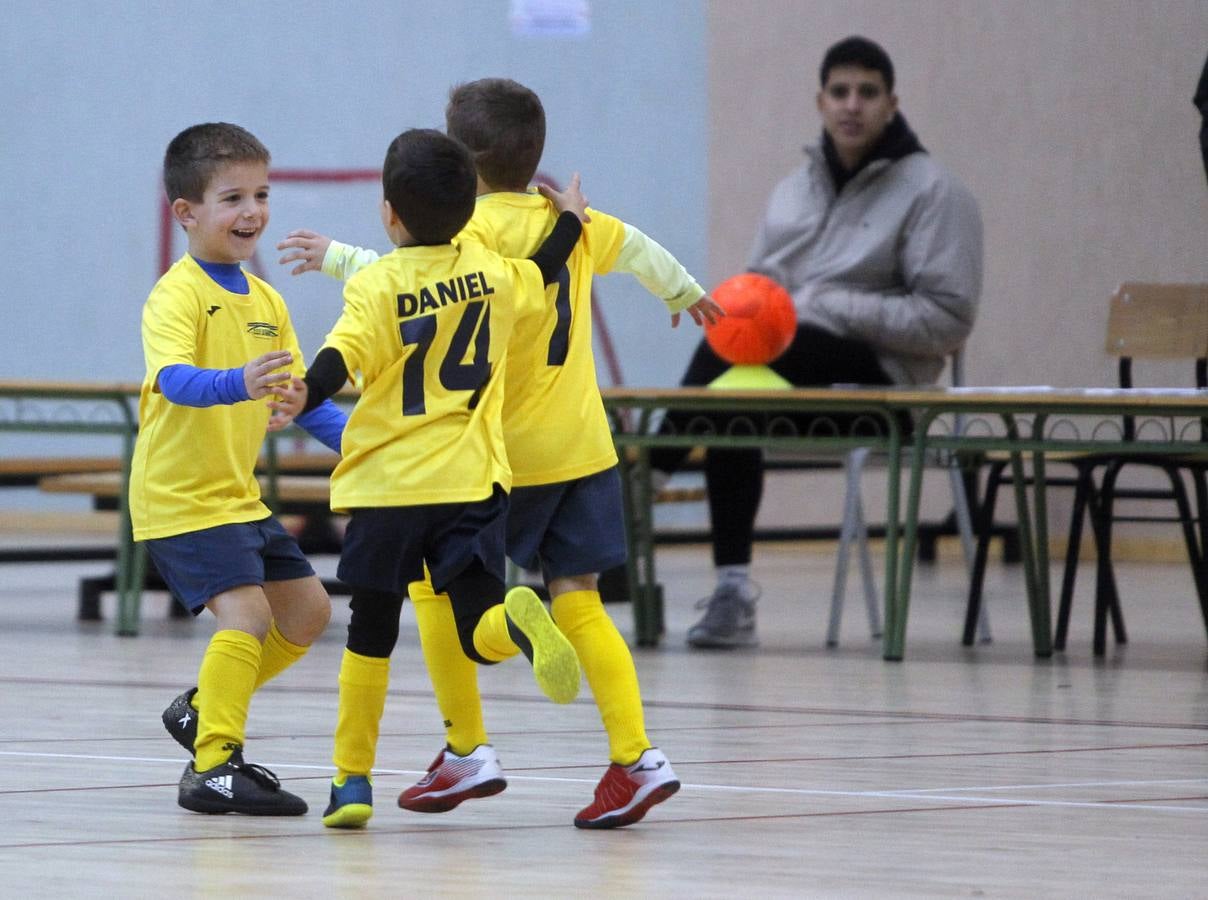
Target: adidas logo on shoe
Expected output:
[222,784]
[236,786]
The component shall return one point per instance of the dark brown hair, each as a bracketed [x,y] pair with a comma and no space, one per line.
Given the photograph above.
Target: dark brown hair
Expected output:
[194,155]
[429,180]
[503,124]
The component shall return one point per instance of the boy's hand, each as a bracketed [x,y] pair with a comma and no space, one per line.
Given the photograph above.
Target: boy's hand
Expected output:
[308,248]
[571,199]
[264,374]
[288,404]
[703,311]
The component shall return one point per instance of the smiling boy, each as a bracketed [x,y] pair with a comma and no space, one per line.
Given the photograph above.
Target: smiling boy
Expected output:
[217,341]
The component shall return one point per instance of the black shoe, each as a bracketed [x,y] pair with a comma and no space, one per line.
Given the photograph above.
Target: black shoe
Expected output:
[237,787]
[180,718]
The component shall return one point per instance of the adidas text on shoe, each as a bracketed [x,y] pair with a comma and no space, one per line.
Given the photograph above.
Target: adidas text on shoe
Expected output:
[452,779]
[626,793]
[180,718]
[351,804]
[555,664]
[237,787]
[729,619]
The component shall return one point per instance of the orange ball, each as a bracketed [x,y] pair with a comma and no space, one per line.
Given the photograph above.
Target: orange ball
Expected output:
[759,323]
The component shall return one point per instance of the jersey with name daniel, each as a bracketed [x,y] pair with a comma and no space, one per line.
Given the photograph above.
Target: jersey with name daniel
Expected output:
[193,467]
[553,418]
[427,330]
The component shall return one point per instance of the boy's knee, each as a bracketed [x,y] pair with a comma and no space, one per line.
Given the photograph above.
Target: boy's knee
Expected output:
[467,621]
[301,609]
[318,617]
[572,606]
[373,628]
[472,593]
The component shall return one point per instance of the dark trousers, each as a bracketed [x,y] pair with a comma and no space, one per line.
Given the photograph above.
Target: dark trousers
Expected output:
[734,477]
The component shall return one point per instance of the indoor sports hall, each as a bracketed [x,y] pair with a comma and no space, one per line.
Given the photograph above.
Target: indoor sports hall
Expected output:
[1018,760]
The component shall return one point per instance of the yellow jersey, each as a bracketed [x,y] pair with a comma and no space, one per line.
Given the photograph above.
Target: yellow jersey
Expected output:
[554,422]
[193,467]
[427,329]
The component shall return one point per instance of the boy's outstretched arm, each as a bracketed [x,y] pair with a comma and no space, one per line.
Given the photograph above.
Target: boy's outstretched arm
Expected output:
[318,253]
[705,310]
[661,274]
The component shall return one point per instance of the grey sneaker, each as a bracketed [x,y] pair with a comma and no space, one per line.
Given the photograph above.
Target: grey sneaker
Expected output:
[729,619]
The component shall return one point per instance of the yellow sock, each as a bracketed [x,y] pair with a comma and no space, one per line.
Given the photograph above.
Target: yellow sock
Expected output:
[276,655]
[363,683]
[454,675]
[225,685]
[491,638]
[608,664]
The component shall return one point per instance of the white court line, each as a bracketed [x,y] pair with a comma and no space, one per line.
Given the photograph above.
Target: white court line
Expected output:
[917,794]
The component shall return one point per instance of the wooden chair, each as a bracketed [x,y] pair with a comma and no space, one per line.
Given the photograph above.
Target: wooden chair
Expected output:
[1146,322]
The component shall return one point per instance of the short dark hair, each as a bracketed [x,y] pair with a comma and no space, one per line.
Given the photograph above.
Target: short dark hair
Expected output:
[428,177]
[198,152]
[857,51]
[503,124]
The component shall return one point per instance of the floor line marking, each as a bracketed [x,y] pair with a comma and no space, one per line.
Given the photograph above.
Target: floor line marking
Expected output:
[916,794]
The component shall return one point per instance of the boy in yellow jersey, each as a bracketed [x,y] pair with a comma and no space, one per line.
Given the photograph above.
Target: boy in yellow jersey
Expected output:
[217,341]
[565,513]
[424,474]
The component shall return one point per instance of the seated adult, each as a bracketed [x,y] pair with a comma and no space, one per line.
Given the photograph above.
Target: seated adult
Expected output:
[881,249]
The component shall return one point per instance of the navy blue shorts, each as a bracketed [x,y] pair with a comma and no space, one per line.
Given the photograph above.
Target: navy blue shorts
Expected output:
[199,565]
[385,548]
[569,527]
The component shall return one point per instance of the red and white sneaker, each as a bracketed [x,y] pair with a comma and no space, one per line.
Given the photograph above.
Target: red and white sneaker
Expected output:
[452,779]
[626,793]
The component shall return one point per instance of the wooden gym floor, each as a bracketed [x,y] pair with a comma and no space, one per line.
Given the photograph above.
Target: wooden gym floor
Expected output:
[807,772]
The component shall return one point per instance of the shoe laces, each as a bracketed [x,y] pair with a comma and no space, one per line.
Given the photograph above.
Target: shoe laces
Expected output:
[258,774]
[723,605]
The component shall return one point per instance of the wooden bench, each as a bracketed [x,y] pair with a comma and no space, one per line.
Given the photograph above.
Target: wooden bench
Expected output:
[25,471]
[28,471]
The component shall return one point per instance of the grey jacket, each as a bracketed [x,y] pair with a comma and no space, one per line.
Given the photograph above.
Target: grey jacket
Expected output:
[895,260]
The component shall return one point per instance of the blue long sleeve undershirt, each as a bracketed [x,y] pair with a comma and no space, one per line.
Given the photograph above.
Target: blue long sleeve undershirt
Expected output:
[325,423]
[190,386]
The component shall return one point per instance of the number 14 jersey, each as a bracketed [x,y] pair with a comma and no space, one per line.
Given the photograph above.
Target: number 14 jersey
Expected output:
[427,330]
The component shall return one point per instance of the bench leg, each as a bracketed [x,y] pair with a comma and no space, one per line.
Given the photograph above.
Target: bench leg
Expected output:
[89,608]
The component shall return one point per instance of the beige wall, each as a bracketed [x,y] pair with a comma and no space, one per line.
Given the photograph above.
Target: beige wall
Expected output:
[1071,122]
